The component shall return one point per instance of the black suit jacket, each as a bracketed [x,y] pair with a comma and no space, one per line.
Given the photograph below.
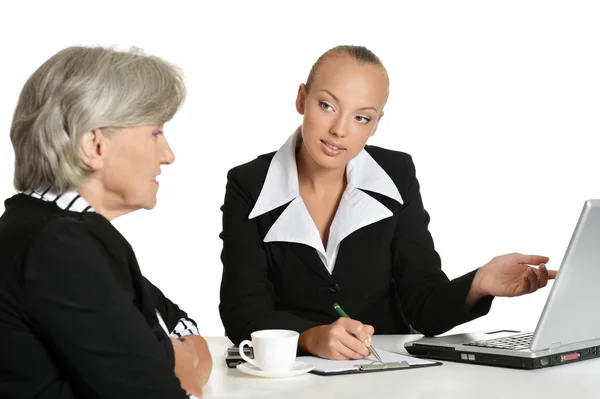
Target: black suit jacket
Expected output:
[77,318]
[387,274]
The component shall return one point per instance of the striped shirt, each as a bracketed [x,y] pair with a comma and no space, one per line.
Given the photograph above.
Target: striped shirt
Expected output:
[72,201]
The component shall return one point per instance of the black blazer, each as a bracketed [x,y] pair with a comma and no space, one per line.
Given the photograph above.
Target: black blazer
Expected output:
[387,274]
[77,318]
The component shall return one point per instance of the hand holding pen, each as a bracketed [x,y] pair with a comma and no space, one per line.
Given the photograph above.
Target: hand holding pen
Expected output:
[341,340]
[341,312]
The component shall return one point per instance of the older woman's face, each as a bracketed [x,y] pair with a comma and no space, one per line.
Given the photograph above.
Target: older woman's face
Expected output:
[132,163]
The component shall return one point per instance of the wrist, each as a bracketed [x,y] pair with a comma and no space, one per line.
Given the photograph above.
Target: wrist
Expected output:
[477,288]
[305,339]
[475,291]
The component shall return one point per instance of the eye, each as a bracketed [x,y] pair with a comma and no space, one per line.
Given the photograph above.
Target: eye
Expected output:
[157,132]
[362,119]
[325,106]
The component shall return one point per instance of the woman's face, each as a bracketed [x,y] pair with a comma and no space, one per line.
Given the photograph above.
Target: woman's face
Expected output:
[131,163]
[341,109]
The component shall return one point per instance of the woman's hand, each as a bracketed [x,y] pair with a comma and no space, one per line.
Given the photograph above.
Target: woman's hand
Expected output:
[341,340]
[193,363]
[510,275]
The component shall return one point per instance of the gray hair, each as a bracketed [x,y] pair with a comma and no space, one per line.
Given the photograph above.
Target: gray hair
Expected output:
[80,89]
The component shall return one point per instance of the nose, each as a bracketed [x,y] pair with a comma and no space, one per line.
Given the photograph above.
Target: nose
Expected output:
[167,156]
[338,128]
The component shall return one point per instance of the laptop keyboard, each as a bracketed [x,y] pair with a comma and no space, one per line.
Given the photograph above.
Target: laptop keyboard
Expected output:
[514,343]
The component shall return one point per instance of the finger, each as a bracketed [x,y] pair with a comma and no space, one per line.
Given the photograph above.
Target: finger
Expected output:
[344,349]
[344,353]
[531,259]
[526,285]
[542,276]
[345,333]
[370,330]
[552,274]
[534,283]
[358,347]
[363,332]
[356,328]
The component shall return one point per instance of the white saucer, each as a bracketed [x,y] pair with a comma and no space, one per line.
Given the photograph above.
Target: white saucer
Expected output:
[297,369]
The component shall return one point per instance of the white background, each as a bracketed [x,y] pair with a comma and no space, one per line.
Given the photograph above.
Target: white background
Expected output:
[498,102]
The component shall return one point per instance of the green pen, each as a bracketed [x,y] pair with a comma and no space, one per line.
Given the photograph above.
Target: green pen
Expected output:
[341,312]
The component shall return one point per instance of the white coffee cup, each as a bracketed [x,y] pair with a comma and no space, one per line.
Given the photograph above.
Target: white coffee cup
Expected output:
[274,350]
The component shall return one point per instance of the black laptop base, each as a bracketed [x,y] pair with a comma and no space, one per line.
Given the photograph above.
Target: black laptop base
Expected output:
[442,353]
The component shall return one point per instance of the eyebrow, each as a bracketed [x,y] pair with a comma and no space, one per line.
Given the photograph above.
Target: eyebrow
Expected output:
[338,100]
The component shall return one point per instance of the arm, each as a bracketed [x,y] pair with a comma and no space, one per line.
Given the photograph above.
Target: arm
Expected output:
[177,321]
[75,303]
[430,301]
[246,291]
[193,361]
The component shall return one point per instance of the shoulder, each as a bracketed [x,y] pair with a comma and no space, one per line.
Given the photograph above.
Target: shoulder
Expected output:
[32,228]
[65,232]
[253,170]
[87,236]
[250,176]
[65,225]
[82,250]
[29,219]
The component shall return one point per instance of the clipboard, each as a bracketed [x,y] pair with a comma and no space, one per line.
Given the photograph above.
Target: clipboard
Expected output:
[392,361]
[373,368]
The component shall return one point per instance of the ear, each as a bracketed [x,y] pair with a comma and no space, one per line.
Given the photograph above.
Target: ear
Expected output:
[92,148]
[301,99]
[377,124]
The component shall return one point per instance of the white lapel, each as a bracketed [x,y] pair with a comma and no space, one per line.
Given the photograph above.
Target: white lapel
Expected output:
[356,210]
[296,225]
[365,173]
[281,182]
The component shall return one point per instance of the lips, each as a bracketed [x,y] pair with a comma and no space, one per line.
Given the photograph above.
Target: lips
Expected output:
[333,145]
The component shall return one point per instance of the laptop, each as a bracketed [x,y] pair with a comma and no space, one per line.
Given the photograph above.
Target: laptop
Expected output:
[567,331]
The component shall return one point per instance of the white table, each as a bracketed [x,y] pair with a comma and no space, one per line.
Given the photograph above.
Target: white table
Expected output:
[451,380]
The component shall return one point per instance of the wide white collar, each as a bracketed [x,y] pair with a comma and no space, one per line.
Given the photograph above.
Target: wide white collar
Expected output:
[356,209]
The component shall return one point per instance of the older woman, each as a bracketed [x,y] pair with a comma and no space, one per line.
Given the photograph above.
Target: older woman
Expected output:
[77,317]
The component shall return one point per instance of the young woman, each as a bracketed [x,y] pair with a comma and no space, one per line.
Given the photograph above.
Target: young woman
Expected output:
[328,219]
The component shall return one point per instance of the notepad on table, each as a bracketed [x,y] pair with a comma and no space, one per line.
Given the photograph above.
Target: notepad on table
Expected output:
[391,361]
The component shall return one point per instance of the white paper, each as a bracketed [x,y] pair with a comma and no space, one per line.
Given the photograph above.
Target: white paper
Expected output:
[331,366]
